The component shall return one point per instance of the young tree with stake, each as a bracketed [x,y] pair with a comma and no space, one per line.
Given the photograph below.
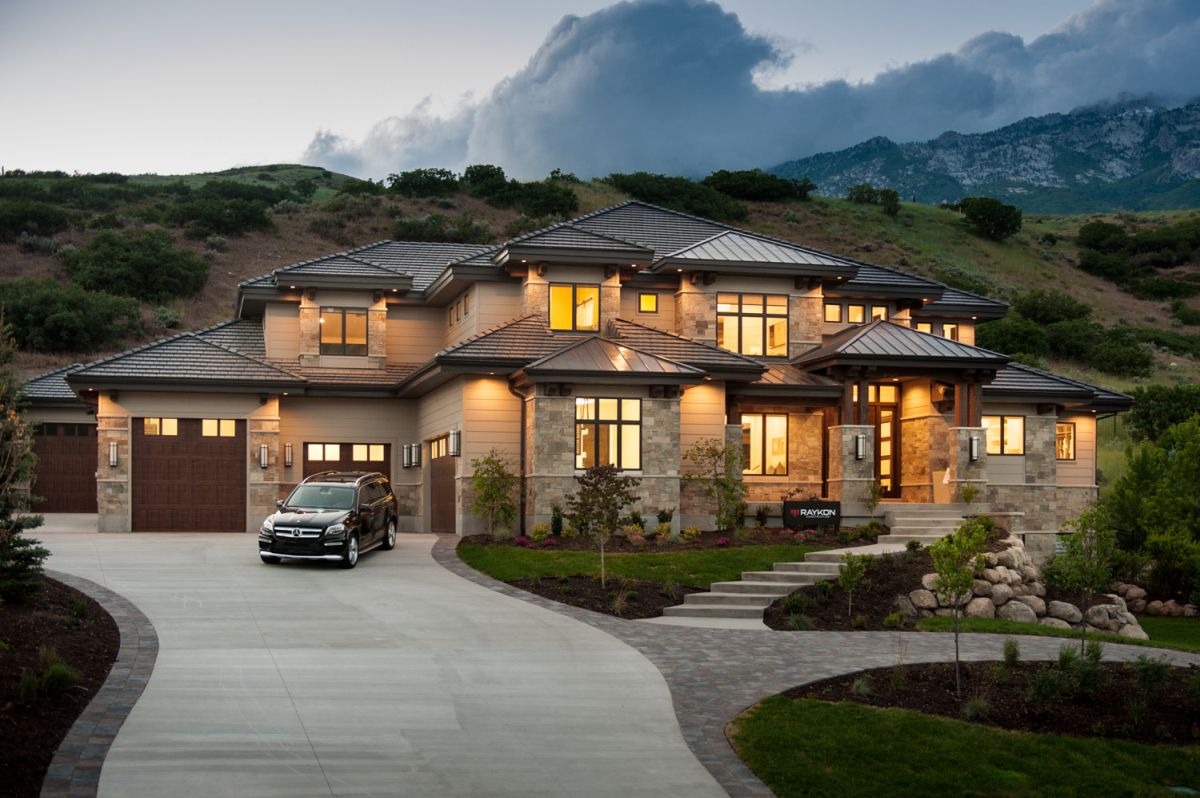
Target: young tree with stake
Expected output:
[956,557]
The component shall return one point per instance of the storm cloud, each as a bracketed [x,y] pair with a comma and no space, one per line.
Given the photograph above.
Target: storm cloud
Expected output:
[668,86]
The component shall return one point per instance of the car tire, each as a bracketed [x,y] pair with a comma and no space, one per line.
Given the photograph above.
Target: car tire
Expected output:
[269,560]
[389,536]
[350,552]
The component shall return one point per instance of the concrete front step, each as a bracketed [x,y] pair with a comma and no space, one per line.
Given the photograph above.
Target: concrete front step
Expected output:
[774,588]
[924,539]
[740,599]
[808,567]
[712,611]
[787,577]
[921,529]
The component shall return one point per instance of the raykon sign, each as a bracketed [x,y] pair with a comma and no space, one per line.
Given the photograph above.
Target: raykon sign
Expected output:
[811,514]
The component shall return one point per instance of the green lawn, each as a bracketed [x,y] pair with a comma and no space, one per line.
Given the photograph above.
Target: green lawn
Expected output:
[698,568]
[814,748]
[1180,633]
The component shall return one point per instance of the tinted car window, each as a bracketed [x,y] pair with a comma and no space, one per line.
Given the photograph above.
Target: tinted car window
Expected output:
[322,497]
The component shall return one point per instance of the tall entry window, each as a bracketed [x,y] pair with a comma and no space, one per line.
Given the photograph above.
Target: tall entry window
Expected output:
[608,432]
[753,324]
[764,443]
[575,307]
[343,331]
[1064,441]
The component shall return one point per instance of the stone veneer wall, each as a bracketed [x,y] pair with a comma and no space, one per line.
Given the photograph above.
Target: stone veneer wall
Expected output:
[850,479]
[263,484]
[805,316]
[696,315]
[113,498]
[310,335]
[962,470]
[535,299]
[805,433]
[1044,504]
[923,456]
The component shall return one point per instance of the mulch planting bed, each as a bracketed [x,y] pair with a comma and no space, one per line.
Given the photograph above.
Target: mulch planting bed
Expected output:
[633,598]
[1116,709]
[84,637]
[766,536]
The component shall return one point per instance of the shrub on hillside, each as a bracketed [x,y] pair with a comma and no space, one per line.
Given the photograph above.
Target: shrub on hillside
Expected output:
[889,200]
[437,227]
[863,193]
[49,316]
[755,184]
[423,183]
[205,216]
[546,198]
[33,218]
[991,218]
[680,194]
[1074,339]
[1156,408]
[354,188]
[1120,353]
[1103,237]
[1013,335]
[1049,307]
[141,263]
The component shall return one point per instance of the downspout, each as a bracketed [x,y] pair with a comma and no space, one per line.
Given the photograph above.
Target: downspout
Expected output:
[521,475]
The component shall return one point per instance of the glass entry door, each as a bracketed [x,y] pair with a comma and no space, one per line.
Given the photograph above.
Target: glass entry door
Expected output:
[885,415]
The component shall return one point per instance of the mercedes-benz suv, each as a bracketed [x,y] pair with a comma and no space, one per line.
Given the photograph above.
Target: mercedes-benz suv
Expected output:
[333,516]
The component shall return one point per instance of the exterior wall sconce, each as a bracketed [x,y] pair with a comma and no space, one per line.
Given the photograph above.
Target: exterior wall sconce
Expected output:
[263,455]
[406,456]
[455,443]
[287,455]
[860,447]
[416,455]
[112,454]
[974,448]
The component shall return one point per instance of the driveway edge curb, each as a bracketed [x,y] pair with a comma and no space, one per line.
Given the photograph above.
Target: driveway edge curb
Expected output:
[75,770]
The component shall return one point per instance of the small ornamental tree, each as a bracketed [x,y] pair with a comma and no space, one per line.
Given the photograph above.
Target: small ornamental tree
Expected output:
[20,557]
[1086,564]
[852,575]
[494,485]
[955,559]
[718,469]
[596,509]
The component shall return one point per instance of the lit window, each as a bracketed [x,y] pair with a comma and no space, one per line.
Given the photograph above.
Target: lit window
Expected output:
[950,331]
[218,427]
[1005,434]
[647,303]
[608,432]
[160,426]
[856,314]
[879,312]
[1064,441]
[753,324]
[764,443]
[466,305]
[575,307]
[439,447]
[833,313]
[367,452]
[925,327]
[343,331]
[324,452]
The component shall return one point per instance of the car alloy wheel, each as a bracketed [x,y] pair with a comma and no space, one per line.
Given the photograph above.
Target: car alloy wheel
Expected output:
[350,554]
[389,538]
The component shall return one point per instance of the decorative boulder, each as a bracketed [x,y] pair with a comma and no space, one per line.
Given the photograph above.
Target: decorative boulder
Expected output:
[990,575]
[1102,617]
[1034,603]
[1057,623]
[981,587]
[980,608]
[991,559]
[1172,608]
[1134,593]
[1018,590]
[944,612]
[1115,599]
[1006,558]
[923,599]
[1133,631]
[1137,605]
[929,581]
[1016,611]
[1190,611]
[905,605]
[1031,573]
[1001,593]
[1154,608]
[1038,589]
[1064,611]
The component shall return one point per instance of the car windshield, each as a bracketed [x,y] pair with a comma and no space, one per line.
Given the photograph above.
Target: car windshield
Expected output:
[322,497]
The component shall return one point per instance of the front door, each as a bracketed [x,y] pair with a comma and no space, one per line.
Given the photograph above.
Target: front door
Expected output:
[885,416]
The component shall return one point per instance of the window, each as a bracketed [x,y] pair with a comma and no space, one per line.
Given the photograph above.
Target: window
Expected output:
[950,331]
[647,303]
[343,331]
[321,452]
[160,426]
[833,313]
[367,452]
[439,447]
[218,428]
[879,312]
[1005,434]
[925,327]
[764,443]
[1064,441]
[856,314]
[466,305]
[608,432]
[753,324]
[882,394]
[575,307]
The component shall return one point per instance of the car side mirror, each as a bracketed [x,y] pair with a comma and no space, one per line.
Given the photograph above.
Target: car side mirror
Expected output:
[364,508]
[279,504]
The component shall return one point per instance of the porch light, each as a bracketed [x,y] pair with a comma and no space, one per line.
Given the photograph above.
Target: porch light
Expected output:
[287,455]
[416,455]
[406,456]
[263,455]
[455,443]
[974,448]
[860,447]
[112,454]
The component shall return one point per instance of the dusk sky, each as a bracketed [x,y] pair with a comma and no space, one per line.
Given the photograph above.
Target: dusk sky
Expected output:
[668,85]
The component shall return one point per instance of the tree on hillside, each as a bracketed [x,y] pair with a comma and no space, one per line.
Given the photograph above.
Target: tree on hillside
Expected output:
[51,316]
[423,183]
[680,194]
[755,184]
[141,263]
[1049,307]
[991,218]
[889,200]
[863,193]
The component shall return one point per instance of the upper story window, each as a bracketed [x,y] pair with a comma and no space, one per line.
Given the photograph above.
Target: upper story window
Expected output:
[856,314]
[1064,441]
[575,307]
[950,331]
[879,312]
[343,331]
[1005,434]
[647,303]
[608,432]
[764,443]
[924,326]
[753,324]
[459,309]
[833,313]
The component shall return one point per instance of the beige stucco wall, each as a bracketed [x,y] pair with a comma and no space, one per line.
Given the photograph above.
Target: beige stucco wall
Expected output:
[1080,472]
[281,330]
[414,334]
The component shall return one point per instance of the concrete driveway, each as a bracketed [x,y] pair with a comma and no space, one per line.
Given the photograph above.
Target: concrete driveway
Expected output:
[396,678]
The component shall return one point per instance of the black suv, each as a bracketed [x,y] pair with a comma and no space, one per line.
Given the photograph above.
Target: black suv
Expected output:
[334,516]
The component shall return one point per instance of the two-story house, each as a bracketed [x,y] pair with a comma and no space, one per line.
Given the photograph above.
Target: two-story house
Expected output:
[623,336]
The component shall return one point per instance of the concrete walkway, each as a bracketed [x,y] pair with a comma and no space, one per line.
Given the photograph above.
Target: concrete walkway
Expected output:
[396,678]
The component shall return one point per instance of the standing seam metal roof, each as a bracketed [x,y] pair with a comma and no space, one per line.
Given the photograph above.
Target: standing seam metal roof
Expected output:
[600,354]
[884,339]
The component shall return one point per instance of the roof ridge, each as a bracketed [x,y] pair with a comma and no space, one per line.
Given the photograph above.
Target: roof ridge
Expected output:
[489,331]
[251,358]
[705,344]
[601,339]
[941,338]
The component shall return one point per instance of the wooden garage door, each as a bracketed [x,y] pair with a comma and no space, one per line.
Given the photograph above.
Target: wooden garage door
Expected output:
[66,468]
[320,457]
[441,491]
[191,481]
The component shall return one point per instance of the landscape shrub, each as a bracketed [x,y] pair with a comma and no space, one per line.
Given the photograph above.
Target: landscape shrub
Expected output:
[49,316]
[142,263]
[755,184]
[27,689]
[990,217]
[34,218]
[1013,335]
[465,229]
[1103,237]
[680,194]
[167,318]
[539,533]
[58,678]
[1012,652]
[1074,339]
[691,533]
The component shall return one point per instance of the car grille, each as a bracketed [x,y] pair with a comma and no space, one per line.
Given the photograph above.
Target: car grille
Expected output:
[296,533]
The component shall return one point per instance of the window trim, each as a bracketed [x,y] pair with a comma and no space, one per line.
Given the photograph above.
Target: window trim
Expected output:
[329,348]
[1002,453]
[574,306]
[1074,442]
[642,295]
[619,422]
[740,314]
[787,433]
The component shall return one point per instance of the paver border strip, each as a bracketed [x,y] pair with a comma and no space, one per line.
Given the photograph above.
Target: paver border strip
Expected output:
[75,769]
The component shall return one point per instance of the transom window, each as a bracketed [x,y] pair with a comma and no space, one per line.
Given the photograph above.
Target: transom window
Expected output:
[753,324]
[439,447]
[608,432]
[764,443]
[343,331]
[1064,441]
[575,307]
[1005,434]
[218,428]
[647,303]
[160,426]
[882,394]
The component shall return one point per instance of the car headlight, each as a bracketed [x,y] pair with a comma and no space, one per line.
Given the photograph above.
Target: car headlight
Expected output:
[335,529]
[269,524]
